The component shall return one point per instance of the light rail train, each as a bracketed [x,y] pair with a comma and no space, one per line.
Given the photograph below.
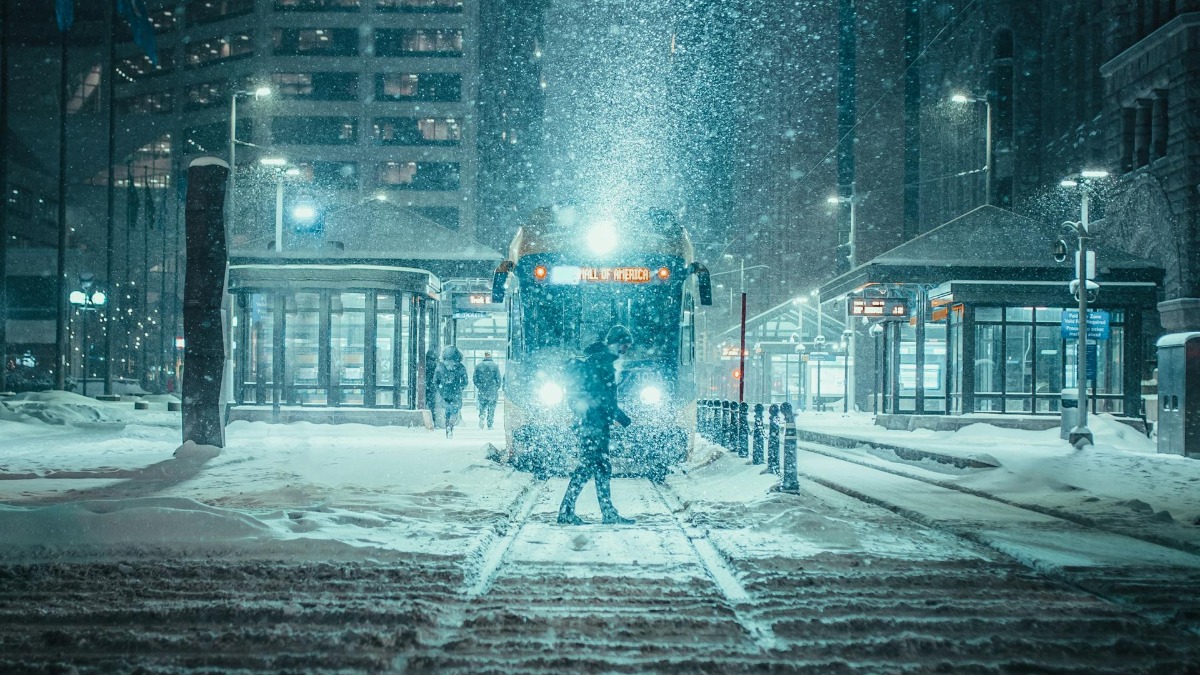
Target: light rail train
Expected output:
[567,280]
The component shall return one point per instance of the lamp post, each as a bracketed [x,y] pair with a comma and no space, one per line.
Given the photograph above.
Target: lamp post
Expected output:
[852,201]
[233,141]
[88,298]
[988,168]
[1080,435]
[283,169]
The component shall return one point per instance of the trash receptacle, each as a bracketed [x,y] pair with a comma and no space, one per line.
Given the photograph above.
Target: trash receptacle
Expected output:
[1179,394]
[1069,406]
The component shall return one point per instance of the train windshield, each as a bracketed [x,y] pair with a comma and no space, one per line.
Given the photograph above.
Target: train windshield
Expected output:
[571,317]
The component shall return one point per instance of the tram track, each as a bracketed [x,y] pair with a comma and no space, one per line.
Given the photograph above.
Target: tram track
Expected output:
[1156,577]
[1062,514]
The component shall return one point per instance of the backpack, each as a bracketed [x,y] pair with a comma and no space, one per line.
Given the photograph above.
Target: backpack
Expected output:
[576,387]
[454,381]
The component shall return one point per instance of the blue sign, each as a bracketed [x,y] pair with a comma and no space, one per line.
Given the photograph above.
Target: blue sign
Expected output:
[1098,327]
[822,356]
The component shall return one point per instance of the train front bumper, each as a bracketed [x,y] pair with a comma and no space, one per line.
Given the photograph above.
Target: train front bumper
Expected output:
[636,450]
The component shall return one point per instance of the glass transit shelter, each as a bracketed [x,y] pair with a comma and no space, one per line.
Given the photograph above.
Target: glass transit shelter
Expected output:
[326,335]
[984,330]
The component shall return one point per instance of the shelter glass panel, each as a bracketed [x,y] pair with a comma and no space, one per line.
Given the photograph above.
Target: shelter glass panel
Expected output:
[261,351]
[935,367]
[1048,365]
[989,367]
[303,349]
[907,366]
[347,337]
[386,348]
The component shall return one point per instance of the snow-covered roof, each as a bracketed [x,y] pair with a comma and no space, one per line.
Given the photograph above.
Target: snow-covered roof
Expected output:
[1176,339]
[990,236]
[987,243]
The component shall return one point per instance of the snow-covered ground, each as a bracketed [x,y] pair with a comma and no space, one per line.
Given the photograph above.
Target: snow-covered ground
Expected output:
[80,477]
[1120,482]
[357,548]
[104,481]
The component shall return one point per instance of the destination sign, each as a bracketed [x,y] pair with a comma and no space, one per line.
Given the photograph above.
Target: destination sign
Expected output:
[561,274]
[893,308]
[628,275]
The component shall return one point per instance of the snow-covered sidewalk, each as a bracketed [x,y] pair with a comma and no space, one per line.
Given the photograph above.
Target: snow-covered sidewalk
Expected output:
[106,484]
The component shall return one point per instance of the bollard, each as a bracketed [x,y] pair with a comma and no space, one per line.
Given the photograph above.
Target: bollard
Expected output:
[743,427]
[791,479]
[757,456]
[727,424]
[773,440]
[700,411]
[708,420]
[719,429]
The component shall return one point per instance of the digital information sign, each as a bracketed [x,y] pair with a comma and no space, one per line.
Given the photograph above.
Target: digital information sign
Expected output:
[895,309]
[563,274]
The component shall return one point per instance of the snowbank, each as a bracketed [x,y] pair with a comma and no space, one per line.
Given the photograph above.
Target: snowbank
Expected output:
[338,491]
[62,408]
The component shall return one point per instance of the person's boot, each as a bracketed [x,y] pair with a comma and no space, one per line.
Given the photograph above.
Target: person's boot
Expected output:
[614,518]
[570,519]
[604,496]
[566,510]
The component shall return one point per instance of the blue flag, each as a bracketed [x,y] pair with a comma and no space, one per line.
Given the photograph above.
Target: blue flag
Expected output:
[135,14]
[64,11]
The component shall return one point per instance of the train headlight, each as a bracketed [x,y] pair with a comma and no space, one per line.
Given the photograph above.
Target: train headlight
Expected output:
[602,238]
[650,395]
[550,394]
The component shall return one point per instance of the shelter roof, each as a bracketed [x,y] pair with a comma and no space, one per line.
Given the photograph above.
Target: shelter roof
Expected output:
[987,244]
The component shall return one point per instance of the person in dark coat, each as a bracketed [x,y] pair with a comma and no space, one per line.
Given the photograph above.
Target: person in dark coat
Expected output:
[431,364]
[451,378]
[595,411]
[487,388]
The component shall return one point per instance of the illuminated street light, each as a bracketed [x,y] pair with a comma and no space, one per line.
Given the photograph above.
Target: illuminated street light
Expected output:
[1080,435]
[960,97]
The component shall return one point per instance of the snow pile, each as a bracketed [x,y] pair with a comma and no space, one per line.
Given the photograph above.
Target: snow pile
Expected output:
[62,408]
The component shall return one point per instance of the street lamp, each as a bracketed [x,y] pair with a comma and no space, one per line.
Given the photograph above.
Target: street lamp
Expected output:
[1081,435]
[988,168]
[852,200]
[257,93]
[283,169]
[87,298]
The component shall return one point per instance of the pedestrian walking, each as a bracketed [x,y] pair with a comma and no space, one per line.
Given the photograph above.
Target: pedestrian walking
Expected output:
[431,396]
[487,388]
[450,379]
[594,402]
